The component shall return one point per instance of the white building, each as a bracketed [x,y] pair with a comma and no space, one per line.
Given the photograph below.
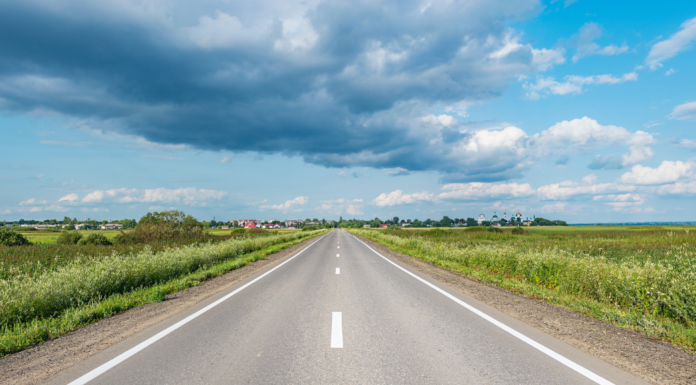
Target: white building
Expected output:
[481,219]
[111,226]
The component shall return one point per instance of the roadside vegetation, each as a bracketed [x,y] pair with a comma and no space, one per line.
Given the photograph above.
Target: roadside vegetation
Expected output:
[49,290]
[639,278]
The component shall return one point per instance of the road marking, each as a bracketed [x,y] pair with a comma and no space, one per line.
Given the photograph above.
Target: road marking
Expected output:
[572,365]
[131,352]
[336,255]
[336,330]
[339,247]
[338,270]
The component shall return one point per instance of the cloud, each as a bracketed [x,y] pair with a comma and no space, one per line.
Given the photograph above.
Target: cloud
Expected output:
[676,43]
[68,183]
[398,197]
[40,176]
[306,79]
[338,206]
[69,198]
[679,188]
[342,174]
[562,160]
[482,191]
[289,205]
[587,47]
[3,212]
[667,172]
[686,143]
[572,85]
[606,162]
[588,186]
[622,202]
[226,159]
[557,207]
[587,133]
[189,196]
[686,111]
[398,171]
[670,71]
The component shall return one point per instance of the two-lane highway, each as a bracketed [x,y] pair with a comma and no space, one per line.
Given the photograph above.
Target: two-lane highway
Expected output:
[338,312]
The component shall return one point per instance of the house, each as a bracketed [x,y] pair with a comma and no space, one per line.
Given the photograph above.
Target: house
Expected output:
[270,226]
[293,223]
[111,226]
[384,225]
[225,227]
[404,224]
[366,226]
[250,225]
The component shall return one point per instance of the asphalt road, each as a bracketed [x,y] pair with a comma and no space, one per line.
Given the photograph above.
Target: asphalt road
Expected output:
[338,312]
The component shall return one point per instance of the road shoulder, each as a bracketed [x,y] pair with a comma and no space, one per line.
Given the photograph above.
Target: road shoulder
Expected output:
[654,361]
[40,362]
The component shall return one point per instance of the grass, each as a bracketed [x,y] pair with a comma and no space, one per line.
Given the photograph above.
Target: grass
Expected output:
[36,308]
[641,278]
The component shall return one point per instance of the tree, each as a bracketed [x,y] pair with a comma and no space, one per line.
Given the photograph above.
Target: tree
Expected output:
[395,220]
[445,221]
[503,222]
[129,224]
[9,237]
[470,222]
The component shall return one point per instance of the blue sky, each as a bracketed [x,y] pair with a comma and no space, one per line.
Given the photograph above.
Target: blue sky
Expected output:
[576,110]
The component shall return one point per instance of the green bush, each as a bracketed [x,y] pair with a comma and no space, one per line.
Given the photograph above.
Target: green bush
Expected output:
[518,230]
[310,228]
[68,238]
[494,229]
[9,237]
[238,231]
[94,240]
[393,227]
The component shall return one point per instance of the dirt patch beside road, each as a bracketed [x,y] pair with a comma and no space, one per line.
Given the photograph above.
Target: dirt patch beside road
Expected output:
[654,361]
[34,365]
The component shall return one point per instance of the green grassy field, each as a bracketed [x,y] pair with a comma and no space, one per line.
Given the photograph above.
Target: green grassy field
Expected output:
[637,277]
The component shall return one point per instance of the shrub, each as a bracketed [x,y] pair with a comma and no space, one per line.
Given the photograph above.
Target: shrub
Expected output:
[94,240]
[9,237]
[494,229]
[69,238]
[256,230]
[238,231]
[167,226]
[310,228]
[518,230]
[393,227]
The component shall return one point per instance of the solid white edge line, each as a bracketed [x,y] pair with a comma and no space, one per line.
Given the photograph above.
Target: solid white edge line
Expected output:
[336,330]
[338,270]
[336,255]
[131,352]
[572,365]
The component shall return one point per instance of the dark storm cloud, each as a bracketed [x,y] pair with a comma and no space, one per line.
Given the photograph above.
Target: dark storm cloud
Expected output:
[348,86]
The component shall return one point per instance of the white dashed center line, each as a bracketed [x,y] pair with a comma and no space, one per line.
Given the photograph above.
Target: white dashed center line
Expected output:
[338,270]
[336,255]
[336,330]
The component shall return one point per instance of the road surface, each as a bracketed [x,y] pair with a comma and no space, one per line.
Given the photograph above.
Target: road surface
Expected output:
[339,312]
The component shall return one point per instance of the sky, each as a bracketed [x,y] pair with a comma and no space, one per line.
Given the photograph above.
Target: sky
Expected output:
[576,110]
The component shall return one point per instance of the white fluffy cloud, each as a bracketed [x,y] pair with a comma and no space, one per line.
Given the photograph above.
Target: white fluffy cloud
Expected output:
[588,186]
[188,196]
[686,111]
[289,205]
[572,85]
[667,172]
[672,46]
[679,188]
[478,191]
[588,133]
[69,198]
[399,198]
[622,202]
